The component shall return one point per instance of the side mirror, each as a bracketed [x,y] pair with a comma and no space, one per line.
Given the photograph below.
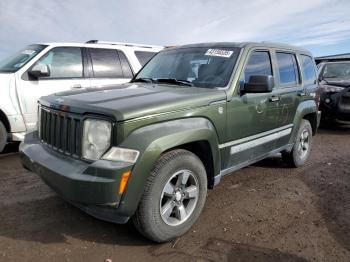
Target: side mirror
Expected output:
[39,70]
[259,84]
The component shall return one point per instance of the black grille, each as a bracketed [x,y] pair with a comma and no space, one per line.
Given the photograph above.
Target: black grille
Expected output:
[345,100]
[61,131]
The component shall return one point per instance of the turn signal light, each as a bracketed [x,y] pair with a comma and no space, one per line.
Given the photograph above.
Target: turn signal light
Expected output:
[124,181]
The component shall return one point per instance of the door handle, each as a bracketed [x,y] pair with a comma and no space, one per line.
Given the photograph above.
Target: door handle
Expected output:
[274,98]
[77,86]
[302,94]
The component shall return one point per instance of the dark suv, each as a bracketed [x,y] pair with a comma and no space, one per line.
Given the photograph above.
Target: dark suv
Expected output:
[334,80]
[150,149]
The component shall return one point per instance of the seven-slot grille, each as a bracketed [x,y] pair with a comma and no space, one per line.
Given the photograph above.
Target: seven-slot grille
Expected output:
[61,131]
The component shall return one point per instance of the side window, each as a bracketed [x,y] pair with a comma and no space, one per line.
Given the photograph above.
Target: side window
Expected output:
[259,63]
[308,69]
[127,72]
[144,57]
[288,69]
[105,63]
[64,62]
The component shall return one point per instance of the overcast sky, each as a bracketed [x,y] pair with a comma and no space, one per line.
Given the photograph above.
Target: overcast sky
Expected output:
[323,26]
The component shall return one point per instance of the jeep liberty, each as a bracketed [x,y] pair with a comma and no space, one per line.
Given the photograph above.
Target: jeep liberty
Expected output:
[148,150]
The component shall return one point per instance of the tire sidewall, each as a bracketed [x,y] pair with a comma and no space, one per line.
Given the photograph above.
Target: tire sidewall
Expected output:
[3,136]
[299,161]
[153,217]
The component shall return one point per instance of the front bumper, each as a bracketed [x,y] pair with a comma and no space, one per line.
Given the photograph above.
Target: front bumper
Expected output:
[336,105]
[92,187]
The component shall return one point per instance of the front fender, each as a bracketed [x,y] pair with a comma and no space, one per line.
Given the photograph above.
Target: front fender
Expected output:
[304,108]
[151,141]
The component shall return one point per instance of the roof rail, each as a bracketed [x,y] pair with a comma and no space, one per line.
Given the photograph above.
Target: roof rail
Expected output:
[122,44]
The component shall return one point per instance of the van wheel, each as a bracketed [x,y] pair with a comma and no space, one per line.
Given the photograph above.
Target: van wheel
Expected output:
[173,198]
[302,146]
[3,136]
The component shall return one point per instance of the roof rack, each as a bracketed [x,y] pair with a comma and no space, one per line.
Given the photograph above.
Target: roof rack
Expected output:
[122,44]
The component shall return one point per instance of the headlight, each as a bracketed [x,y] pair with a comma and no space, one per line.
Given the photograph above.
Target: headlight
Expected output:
[330,88]
[96,138]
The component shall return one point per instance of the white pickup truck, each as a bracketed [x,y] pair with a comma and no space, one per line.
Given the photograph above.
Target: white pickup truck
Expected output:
[43,69]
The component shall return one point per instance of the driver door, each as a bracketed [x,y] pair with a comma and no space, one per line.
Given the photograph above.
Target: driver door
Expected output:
[251,117]
[66,65]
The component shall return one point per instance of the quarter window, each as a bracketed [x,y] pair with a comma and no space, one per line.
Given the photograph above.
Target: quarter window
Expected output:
[127,72]
[105,63]
[259,63]
[288,69]
[64,62]
[144,57]
[308,69]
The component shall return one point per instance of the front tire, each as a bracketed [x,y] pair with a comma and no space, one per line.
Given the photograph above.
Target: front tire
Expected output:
[3,136]
[302,146]
[173,198]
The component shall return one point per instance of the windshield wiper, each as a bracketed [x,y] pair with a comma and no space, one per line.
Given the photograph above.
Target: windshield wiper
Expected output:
[174,81]
[143,79]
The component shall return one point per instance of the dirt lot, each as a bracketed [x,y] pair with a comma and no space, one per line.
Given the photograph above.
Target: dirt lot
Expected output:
[266,212]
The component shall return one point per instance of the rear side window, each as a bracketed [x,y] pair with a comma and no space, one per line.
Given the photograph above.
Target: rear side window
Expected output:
[259,63]
[126,68]
[144,57]
[288,69]
[308,69]
[64,62]
[105,63]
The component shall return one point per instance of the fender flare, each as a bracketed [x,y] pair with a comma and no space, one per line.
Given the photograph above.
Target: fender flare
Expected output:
[304,108]
[153,140]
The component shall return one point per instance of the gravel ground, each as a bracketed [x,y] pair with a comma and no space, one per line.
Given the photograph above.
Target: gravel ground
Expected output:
[266,212]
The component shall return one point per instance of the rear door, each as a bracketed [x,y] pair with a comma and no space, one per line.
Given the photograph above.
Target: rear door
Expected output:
[67,71]
[108,67]
[289,90]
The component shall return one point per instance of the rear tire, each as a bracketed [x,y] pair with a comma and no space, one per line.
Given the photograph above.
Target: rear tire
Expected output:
[173,198]
[3,136]
[302,146]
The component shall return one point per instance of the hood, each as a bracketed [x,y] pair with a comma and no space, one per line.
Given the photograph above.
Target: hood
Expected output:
[133,100]
[344,82]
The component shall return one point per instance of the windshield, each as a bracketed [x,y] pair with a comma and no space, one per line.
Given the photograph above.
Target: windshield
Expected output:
[19,59]
[193,66]
[337,70]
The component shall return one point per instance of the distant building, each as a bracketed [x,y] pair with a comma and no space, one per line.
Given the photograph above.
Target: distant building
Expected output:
[333,58]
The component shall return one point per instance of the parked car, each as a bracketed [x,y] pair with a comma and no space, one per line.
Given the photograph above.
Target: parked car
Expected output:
[43,69]
[150,149]
[334,80]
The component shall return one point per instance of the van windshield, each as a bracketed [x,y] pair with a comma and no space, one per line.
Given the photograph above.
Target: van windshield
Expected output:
[19,59]
[193,66]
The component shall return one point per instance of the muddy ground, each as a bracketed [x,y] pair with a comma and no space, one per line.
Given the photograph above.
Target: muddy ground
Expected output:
[266,212]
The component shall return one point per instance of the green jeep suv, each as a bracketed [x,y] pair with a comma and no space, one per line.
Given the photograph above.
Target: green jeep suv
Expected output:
[149,150]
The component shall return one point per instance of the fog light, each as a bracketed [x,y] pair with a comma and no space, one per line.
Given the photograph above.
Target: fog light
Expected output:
[327,100]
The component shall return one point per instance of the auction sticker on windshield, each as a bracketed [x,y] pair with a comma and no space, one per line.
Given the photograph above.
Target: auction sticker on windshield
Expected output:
[219,52]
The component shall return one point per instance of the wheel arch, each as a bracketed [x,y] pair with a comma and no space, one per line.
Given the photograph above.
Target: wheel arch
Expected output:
[5,121]
[196,135]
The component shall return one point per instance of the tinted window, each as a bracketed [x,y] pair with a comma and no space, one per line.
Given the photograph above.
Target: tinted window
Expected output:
[105,63]
[144,57]
[287,67]
[259,63]
[127,72]
[64,62]
[308,69]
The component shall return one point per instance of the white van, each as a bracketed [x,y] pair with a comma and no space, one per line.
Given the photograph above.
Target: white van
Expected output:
[43,69]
